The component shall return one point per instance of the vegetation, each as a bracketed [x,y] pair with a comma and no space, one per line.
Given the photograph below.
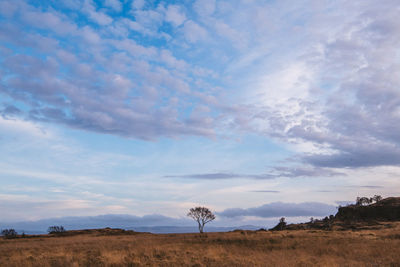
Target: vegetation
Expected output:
[358,235]
[9,233]
[370,247]
[387,209]
[201,215]
[56,229]
[361,201]
[280,226]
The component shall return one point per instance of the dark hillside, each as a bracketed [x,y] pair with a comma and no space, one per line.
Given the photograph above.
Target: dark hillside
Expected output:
[387,209]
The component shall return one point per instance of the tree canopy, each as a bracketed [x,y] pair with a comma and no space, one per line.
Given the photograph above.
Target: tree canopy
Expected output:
[201,215]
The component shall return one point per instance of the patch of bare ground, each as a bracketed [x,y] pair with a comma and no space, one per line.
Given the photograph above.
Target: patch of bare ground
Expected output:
[368,247]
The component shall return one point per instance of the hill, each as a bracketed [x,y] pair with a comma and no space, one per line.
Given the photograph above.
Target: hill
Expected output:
[387,209]
[354,217]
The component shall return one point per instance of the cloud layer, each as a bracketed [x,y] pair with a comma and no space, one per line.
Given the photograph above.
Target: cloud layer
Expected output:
[335,94]
[281,209]
[276,172]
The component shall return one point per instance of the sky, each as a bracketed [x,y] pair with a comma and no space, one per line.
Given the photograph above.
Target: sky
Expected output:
[255,109]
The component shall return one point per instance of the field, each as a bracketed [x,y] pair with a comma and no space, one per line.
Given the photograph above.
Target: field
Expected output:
[370,247]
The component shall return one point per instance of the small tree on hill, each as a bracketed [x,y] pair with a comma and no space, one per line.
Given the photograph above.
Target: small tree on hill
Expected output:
[361,201]
[377,198]
[281,225]
[201,215]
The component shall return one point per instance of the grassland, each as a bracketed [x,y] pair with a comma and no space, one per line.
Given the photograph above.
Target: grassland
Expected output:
[371,247]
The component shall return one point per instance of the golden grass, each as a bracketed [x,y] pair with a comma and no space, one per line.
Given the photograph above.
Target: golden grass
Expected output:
[240,248]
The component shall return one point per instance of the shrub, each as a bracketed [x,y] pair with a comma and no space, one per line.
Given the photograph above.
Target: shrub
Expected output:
[56,229]
[9,233]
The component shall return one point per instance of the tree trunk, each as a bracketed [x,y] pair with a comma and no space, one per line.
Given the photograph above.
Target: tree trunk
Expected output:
[201,228]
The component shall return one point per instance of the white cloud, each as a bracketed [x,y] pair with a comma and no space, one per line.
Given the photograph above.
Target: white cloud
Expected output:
[204,7]
[98,17]
[175,15]
[194,32]
[116,5]
[53,21]
[237,38]
[8,8]
[138,4]
[167,57]
[148,21]
[90,35]
[292,81]
[18,127]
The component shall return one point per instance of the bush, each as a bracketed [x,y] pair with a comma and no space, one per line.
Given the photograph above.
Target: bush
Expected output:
[56,229]
[9,233]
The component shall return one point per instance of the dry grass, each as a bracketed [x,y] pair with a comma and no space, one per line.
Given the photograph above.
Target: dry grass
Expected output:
[240,248]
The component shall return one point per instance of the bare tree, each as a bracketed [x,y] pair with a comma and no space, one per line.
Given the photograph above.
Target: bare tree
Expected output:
[201,215]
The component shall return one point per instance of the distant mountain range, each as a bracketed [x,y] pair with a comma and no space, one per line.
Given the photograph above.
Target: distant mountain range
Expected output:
[149,223]
[189,229]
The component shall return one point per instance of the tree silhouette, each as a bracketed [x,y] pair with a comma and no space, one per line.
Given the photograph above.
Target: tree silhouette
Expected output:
[377,198]
[361,201]
[56,229]
[9,233]
[201,215]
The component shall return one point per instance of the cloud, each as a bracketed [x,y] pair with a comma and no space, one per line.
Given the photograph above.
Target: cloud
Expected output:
[209,176]
[332,96]
[238,39]
[90,36]
[116,5]
[17,127]
[98,17]
[36,208]
[10,110]
[149,20]
[175,15]
[281,209]
[167,57]
[343,111]
[264,191]
[194,32]
[64,88]
[138,4]
[7,8]
[367,186]
[204,7]
[276,172]
[53,21]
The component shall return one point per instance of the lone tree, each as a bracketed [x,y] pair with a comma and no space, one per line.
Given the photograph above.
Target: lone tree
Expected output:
[201,215]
